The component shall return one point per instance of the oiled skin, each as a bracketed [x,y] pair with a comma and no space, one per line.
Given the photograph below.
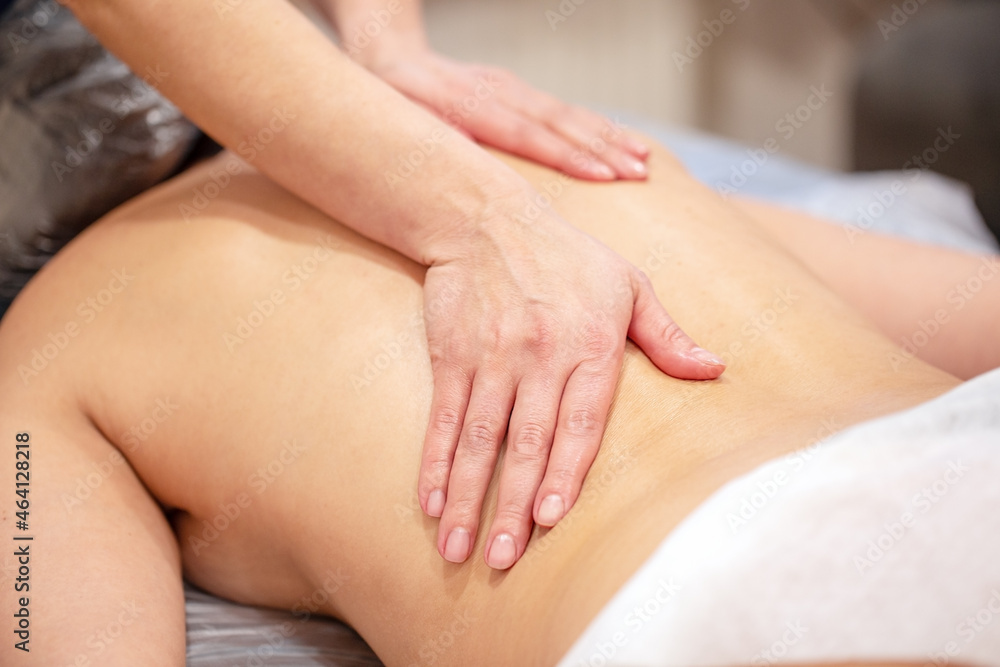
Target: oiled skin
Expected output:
[343,501]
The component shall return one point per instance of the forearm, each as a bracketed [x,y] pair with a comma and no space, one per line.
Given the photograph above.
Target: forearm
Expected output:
[339,138]
[530,320]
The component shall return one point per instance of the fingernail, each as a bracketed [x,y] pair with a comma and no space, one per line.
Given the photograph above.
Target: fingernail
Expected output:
[435,503]
[502,552]
[551,510]
[706,357]
[456,549]
[641,149]
[600,170]
[637,167]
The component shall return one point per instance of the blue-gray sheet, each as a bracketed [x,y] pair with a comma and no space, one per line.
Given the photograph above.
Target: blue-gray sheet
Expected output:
[931,208]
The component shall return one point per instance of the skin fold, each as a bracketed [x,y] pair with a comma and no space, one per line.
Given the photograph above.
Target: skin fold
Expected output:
[264,369]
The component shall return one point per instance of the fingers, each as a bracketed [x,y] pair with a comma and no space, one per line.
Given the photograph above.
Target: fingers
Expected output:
[556,429]
[580,427]
[537,126]
[485,424]
[497,108]
[598,137]
[511,131]
[634,145]
[452,387]
[528,442]
[664,342]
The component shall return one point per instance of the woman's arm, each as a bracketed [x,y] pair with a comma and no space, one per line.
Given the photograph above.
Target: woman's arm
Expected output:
[266,83]
[937,304]
[518,303]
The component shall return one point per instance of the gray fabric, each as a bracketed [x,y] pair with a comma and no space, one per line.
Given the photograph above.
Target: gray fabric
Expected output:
[79,134]
[224,634]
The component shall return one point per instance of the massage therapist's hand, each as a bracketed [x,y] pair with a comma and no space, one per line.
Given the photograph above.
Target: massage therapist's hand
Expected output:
[496,108]
[489,104]
[527,324]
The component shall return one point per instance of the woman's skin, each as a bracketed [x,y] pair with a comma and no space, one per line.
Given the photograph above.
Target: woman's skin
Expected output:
[932,301]
[297,430]
[269,85]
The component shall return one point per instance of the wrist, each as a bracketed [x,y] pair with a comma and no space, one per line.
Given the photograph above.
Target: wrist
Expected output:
[382,36]
[481,213]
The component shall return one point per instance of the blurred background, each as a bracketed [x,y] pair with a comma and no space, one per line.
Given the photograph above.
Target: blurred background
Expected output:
[892,72]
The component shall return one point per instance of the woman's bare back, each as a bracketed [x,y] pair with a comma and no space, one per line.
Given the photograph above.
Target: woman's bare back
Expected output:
[263,371]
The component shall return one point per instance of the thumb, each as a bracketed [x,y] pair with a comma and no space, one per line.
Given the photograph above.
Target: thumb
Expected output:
[666,345]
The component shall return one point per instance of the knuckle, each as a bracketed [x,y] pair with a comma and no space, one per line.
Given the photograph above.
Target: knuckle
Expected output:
[425,488]
[671,331]
[512,515]
[583,421]
[436,462]
[641,278]
[438,355]
[464,508]
[434,473]
[542,338]
[598,341]
[530,442]
[481,437]
[449,352]
[561,479]
[446,420]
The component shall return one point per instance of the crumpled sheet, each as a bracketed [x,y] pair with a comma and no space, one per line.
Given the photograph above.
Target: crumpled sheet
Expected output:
[225,634]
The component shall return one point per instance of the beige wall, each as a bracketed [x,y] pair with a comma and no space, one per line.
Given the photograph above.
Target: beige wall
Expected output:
[611,53]
[619,54]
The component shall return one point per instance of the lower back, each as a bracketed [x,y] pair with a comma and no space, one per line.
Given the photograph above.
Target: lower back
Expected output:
[306,412]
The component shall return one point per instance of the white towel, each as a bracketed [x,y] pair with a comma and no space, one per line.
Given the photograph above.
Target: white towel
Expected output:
[881,543]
